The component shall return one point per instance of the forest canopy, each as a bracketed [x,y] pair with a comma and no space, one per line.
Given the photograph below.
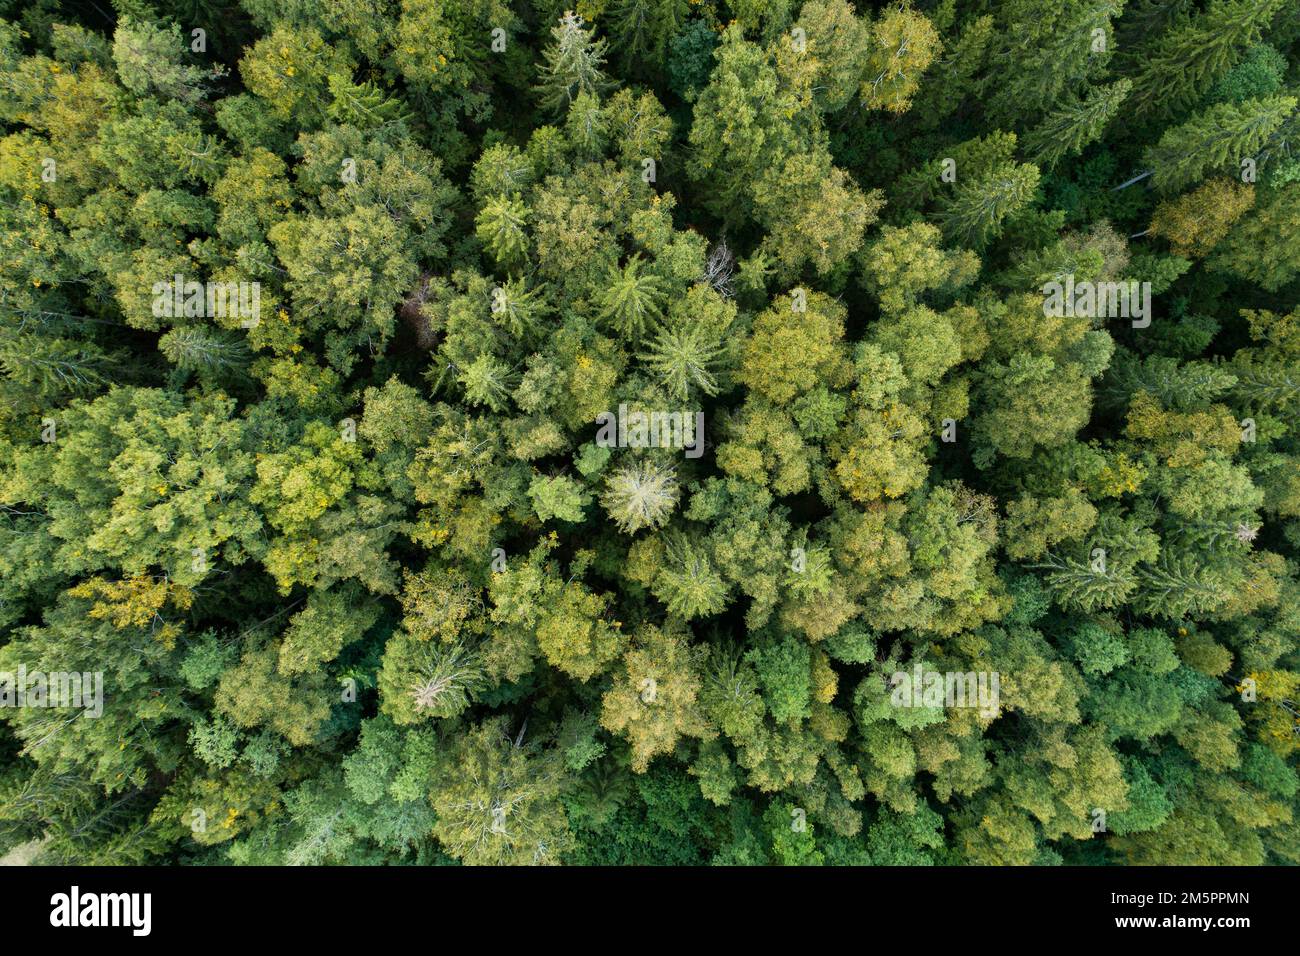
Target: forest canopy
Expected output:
[729,432]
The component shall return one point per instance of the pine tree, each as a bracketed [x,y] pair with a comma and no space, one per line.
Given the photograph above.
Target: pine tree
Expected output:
[630,300]
[48,368]
[641,495]
[1218,137]
[978,209]
[641,29]
[689,585]
[500,227]
[1179,585]
[685,358]
[1069,128]
[488,381]
[954,75]
[571,64]
[1197,51]
[195,348]
[364,106]
[1046,54]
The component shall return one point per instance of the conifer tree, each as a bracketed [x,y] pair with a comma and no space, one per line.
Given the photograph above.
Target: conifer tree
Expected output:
[1196,51]
[1218,138]
[1068,129]
[572,66]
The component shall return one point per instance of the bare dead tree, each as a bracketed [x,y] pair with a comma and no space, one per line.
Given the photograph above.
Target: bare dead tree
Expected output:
[719,269]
